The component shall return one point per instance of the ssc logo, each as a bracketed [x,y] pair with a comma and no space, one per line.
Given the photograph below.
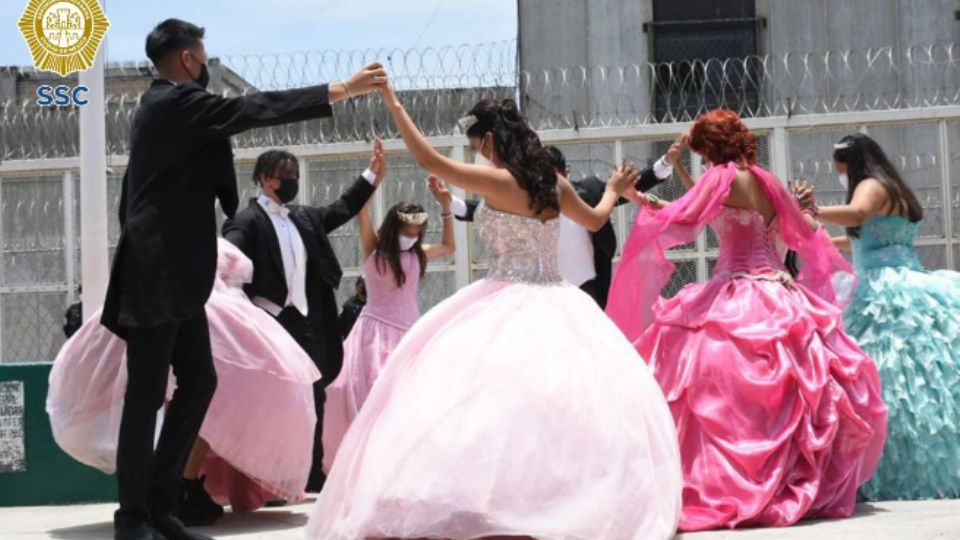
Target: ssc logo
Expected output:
[61,96]
[63,35]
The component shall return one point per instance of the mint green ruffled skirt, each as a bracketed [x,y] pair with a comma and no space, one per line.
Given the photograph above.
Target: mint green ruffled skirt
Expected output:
[909,322]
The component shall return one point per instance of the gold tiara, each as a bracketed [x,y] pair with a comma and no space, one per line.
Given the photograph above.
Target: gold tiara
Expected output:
[413,218]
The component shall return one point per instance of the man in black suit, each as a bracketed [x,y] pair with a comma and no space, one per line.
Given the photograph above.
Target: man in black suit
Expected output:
[295,270]
[590,267]
[163,271]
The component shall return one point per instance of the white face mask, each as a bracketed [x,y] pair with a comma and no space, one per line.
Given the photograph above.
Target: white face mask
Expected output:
[844,180]
[480,159]
[407,242]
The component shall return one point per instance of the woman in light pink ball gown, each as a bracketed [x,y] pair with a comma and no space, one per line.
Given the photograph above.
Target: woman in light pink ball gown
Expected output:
[260,420]
[515,407]
[779,413]
[395,259]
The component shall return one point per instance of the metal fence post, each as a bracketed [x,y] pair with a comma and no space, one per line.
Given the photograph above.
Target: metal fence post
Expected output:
[944,137]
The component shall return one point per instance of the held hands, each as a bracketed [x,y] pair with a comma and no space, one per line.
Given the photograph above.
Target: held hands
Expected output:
[440,192]
[623,178]
[673,154]
[378,162]
[643,199]
[804,192]
[368,79]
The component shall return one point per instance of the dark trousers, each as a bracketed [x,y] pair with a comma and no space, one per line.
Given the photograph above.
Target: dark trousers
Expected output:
[599,287]
[300,330]
[149,480]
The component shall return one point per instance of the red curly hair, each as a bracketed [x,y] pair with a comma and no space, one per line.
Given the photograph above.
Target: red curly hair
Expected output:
[722,137]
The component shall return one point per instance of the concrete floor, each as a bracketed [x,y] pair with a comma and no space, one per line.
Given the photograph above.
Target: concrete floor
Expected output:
[881,521]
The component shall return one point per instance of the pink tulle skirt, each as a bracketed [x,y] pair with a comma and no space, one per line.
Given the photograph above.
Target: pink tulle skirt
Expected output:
[365,353]
[261,418]
[508,410]
[779,413]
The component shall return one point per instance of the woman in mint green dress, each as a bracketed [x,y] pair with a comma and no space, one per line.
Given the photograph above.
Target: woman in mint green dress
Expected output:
[908,319]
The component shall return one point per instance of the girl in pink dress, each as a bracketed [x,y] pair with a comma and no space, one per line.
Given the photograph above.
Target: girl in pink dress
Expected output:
[395,259]
[260,420]
[779,413]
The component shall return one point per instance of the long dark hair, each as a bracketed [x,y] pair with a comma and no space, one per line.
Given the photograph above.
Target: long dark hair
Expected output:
[865,159]
[388,242]
[519,150]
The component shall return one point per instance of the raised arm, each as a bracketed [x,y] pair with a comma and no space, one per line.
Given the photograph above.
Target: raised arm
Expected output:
[672,157]
[594,218]
[478,179]
[868,200]
[368,233]
[213,115]
[443,196]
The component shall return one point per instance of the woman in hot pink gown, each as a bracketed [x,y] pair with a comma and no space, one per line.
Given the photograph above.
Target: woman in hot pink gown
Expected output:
[260,420]
[779,413]
[395,259]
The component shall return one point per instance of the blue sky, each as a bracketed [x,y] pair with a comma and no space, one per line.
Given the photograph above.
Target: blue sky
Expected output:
[259,26]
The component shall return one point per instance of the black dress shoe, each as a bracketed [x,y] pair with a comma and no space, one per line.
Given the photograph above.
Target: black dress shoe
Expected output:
[197,508]
[173,529]
[140,532]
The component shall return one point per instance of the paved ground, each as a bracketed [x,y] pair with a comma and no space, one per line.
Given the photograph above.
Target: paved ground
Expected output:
[882,521]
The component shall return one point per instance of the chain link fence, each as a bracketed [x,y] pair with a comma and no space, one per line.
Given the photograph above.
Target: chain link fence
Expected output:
[40,183]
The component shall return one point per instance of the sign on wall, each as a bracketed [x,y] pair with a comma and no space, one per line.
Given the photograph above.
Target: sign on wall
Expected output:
[13,456]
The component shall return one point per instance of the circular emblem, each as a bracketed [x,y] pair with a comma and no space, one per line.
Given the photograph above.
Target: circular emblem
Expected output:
[63,35]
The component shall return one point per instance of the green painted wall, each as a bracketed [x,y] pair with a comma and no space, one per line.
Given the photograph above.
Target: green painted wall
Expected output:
[51,476]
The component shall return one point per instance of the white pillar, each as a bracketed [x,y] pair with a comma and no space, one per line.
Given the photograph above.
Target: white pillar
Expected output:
[94,254]
[461,233]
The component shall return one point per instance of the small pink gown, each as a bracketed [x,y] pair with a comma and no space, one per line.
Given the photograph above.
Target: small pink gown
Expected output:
[779,413]
[261,418]
[390,311]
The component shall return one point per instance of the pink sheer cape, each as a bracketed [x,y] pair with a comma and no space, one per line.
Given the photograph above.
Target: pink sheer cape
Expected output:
[644,269]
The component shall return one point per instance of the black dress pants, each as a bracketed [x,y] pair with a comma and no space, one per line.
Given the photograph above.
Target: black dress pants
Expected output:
[148,478]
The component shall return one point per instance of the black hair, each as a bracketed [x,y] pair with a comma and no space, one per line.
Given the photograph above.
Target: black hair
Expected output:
[557,159]
[170,37]
[269,161]
[388,242]
[519,150]
[865,159]
[360,286]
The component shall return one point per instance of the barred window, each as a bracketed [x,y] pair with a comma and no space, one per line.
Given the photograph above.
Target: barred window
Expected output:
[705,56]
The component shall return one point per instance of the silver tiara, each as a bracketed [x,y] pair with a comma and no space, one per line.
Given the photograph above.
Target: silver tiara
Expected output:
[842,145]
[413,218]
[467,122]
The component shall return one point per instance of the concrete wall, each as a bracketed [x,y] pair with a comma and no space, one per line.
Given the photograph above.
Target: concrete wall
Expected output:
[595,33]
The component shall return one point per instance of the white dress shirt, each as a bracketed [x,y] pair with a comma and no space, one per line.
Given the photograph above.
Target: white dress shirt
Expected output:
[294,256]
[293,253]
[576,252]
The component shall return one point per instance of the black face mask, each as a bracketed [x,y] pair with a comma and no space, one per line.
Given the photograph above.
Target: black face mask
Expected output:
[204,78]
[289,187]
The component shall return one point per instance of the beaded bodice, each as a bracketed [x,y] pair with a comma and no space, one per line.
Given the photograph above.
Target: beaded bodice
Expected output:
[522,249]
[886,241]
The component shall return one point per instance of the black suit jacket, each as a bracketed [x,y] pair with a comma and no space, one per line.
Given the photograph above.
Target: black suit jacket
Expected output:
[180,162]
[252,231]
